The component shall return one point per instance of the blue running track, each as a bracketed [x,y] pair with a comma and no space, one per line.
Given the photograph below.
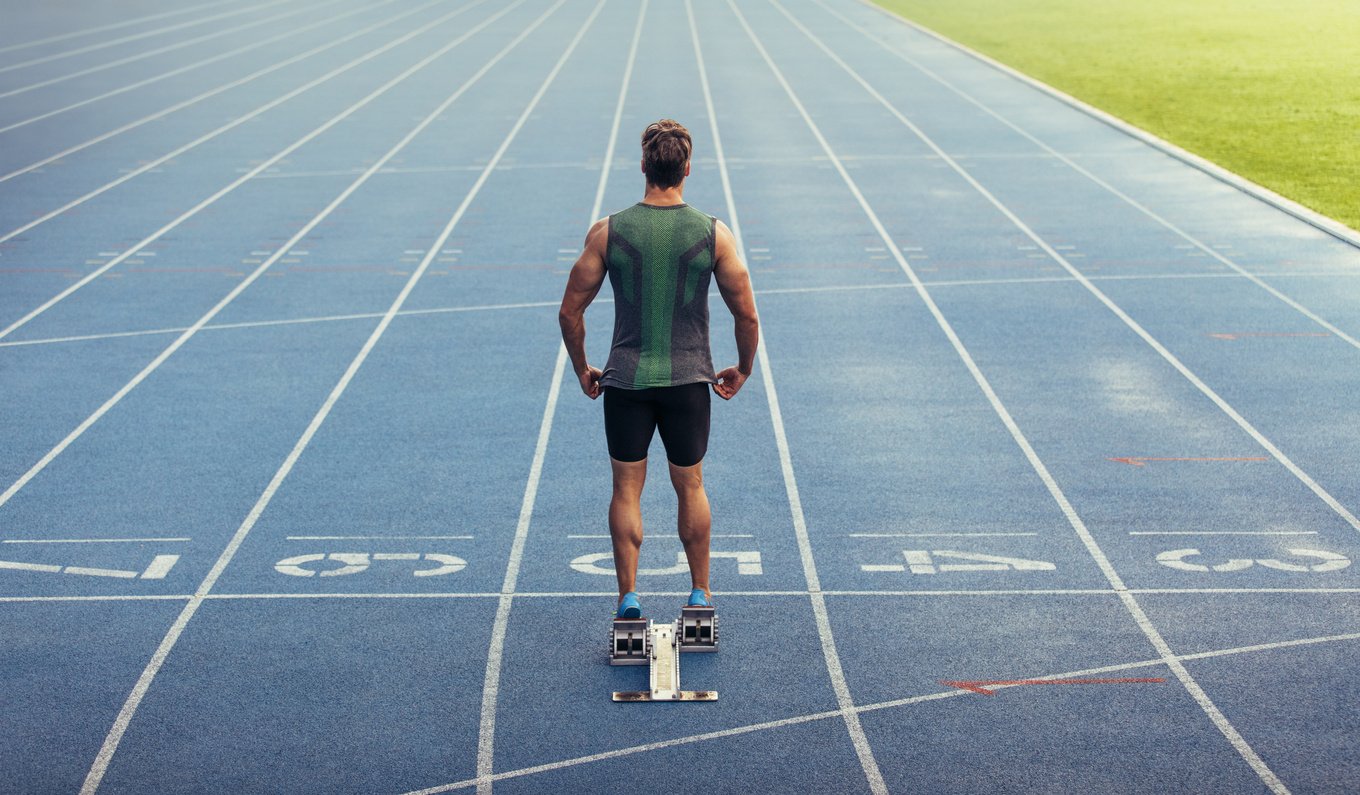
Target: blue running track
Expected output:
[1046,481]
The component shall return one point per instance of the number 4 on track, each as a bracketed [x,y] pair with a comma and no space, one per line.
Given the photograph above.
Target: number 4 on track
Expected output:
[920,561]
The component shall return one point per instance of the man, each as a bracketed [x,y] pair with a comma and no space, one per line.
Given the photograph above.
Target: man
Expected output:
[660,255]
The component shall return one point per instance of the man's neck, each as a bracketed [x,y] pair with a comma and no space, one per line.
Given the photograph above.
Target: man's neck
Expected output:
[664,197]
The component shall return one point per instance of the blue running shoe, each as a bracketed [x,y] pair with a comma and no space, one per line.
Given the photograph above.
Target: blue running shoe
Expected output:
[697,598]
[630,607]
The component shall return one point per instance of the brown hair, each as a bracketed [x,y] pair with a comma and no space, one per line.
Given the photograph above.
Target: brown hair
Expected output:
[665,151]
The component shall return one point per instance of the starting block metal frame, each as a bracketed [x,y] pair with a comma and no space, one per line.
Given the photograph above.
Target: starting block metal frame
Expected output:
[638,641]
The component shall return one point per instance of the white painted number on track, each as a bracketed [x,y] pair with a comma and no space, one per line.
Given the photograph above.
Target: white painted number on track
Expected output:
[358,562]
[158,568]
[602,563]
[1330,561]
[920,561]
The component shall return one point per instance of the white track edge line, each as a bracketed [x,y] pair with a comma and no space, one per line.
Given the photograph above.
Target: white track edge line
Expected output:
[1134,203]
[1133,325]
[1331,226]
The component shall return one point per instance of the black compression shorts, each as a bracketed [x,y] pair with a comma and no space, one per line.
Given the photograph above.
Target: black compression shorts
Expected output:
[680,412]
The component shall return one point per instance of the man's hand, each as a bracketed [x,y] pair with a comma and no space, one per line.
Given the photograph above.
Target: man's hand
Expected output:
[590,381]
[729,383]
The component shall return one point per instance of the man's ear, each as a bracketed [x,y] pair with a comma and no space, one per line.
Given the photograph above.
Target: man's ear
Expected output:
[687,168]
[642,165]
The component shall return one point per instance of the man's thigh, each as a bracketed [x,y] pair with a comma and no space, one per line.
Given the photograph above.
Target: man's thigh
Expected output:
[629,421]
[683,419]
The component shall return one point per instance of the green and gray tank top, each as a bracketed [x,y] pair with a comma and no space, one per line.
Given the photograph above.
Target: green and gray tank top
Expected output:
[660,263]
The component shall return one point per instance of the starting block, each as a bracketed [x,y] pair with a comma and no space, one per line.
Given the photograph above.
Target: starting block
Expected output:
[638,641]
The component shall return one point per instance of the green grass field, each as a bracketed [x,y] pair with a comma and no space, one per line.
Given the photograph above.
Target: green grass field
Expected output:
[1269,90]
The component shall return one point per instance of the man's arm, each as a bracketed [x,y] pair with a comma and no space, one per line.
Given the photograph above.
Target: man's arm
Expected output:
[587,275]
[734,282]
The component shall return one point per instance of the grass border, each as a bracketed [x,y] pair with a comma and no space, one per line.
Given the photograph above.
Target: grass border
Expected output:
[1316,219]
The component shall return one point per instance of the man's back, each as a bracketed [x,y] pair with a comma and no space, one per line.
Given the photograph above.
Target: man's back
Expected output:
[660,262]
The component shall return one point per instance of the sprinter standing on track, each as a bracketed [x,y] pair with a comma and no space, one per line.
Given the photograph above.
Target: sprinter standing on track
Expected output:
[660,255]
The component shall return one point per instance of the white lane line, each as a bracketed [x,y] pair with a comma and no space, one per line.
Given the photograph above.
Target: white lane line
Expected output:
[726,594]
[835,671]
[486,732]
[1223,532]
[91,540]
[876,707]
[234,184]
[259,271]
[149,53]
[665,537]
[111,598]
[379,538]
[290,32]
[288,322]
[935,535]
[1090,286]
[112,26]
[1154,636]
[542,304]
[1139,206]
[129,709]
[134,37]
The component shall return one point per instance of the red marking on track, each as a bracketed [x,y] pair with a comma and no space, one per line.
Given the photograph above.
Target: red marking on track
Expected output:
[1138,461]
[1237,335]
[982,686]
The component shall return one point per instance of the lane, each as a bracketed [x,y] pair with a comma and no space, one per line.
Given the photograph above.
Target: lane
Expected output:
[106,42]
[51,690]
[63,104]
[1129,379]
[1262,373]
[20,27]
[184,276]
[498,36]
[568,524]
[26,77]
[177,192]
[827,93]
[201,477]
[384,767]
[1221,254]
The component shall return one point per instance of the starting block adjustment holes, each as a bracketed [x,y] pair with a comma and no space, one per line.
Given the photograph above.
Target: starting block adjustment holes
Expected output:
[343,564]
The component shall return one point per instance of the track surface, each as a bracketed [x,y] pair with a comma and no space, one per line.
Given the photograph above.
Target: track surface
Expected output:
[298,497]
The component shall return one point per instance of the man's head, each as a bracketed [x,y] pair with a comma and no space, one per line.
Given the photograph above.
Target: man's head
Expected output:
[665,153]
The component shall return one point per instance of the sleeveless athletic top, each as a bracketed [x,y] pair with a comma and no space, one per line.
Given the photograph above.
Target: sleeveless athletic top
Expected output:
[660,263]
